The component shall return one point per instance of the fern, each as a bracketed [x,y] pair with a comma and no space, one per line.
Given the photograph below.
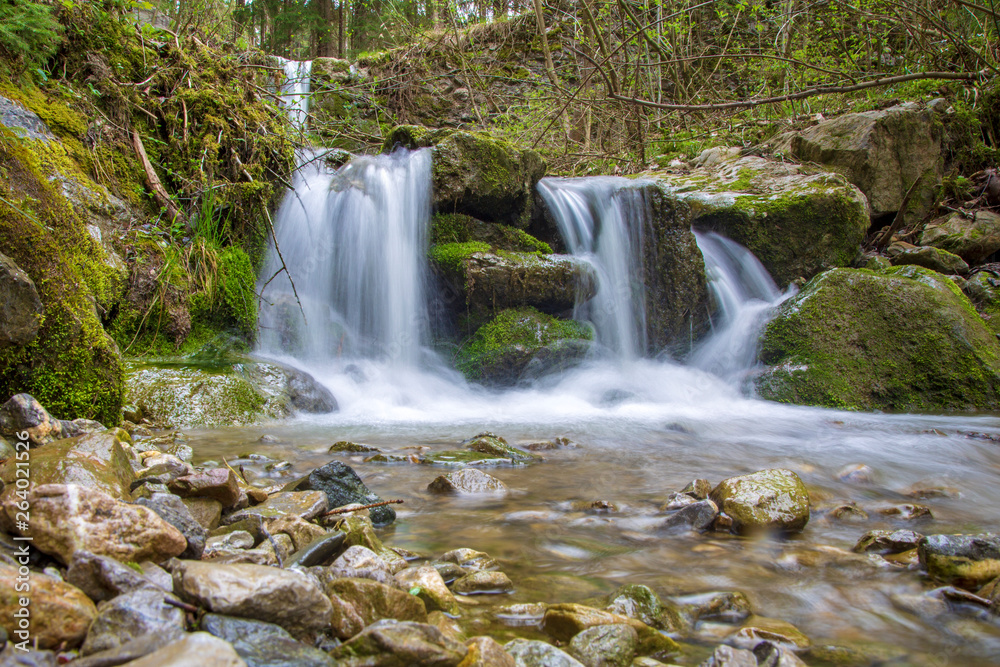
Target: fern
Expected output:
[29,32]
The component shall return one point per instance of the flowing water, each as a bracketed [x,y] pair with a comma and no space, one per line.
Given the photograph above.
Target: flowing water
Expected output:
[295,91]
[354,243]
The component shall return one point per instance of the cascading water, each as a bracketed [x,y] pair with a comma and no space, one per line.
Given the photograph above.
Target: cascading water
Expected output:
[354,243]
[295,91]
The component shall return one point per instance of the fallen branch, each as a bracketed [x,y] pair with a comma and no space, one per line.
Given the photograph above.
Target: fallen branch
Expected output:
[897,222]
[159,192]
[181,605]
[348,510]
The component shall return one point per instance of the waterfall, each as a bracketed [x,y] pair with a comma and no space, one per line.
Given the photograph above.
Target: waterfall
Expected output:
[295,91]
[744,295]
[600,219]
[354,241]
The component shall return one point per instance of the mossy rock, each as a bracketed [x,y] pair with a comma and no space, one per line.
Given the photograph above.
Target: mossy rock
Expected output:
[983,289]
[973,237]
[767,500]
[494,445]
[903,339]
[449,228]
[522,343]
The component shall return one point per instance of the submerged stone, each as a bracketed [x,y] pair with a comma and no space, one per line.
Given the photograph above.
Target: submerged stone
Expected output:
[764,500]
[965,560]
[467,481]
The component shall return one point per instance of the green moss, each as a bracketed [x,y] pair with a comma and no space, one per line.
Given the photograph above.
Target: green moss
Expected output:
[451,255]
[459,228]
[237,280]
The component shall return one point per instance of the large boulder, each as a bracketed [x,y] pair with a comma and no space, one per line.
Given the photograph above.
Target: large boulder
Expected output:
[796,219]
[20,308]
[973,237]
[902,339]
[522,344]
[882,152]
[767,500]
[477,174]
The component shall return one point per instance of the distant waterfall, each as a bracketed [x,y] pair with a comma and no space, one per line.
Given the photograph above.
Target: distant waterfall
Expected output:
[355,243]
[295,91]
[600,219]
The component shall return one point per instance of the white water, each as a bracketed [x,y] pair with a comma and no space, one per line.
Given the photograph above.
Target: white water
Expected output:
[295,91]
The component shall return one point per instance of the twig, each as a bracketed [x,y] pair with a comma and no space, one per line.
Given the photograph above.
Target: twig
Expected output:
[181,605]
[348,510]
[159,192]
[886,236]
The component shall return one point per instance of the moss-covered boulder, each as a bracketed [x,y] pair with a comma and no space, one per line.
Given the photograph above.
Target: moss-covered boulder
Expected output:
[460,228]
[883,152]
[767,500]
[521,344]
[931,258]
[21,310]
[905,338]
[973,237]
[797,219]
[477,174]
[983,289]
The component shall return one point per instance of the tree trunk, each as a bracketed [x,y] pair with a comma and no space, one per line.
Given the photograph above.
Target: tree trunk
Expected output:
[550,68]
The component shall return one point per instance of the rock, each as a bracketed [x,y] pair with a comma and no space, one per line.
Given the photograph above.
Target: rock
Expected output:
[522,343]
[318,552]
[859,340]
[882,152]
[56,613]
[856,473]
[973,238]
[130,616]
[216,483]
[363,563]
[99,461]
[361,532]
[471,560]
[486,652]
[474,173]
[206,511]
[481,583]
[303,504]
[605,646]
[193,650]
[697,516]
[307,395]
[21,314]
[724,606]
[357,603]
[907,512]
[172,509]
[727,656]
[493,445]
[286,597]
[23,121]
[492,282]
[848,512]
[796,221]
[760,628]
[641,603]
[533,653]
[67,518]
[887,542]
[127,652]
[102,578]
[773,655]
[764,500]
[931,258]
[969,561]
[23,413]
[467,481]
[698,489]
[390,643]
[342,486]
[425,582]
[565,621]
[344,446]
[983,289]
[263,644]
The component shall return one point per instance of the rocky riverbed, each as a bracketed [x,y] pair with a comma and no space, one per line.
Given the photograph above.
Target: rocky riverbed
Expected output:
[165,548]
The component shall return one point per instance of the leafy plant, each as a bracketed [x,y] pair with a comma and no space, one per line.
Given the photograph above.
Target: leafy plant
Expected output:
[29,32]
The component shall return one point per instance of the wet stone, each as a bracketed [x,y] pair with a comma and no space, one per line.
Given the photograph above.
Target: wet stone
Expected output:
[887,542]
[773,655]
[487,652]
[301,531]
[641,603]
[849,512]
[127,652]
[425,582]
[319,551]
[60,613]
[131,616]
[22,412]
[493,445]
[172,509]
[390,643]
[907,512]
[765,500]
[303,504]
[697,516]
[857,473]
[363,563]
[605,646]
[969,561]
[725,606]
[103,578]
[483,583]
[197,648]
[358,603]
[237,539]
[343,486]
[728,656]
[760,628]
[467,481]
[263,644]
[345,446]
[533,653]
[676,501]
[698,489]
[449,571]
[206,511]
[217,483]
[470,559]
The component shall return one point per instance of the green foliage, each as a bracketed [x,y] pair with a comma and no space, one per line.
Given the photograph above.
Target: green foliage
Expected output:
[29,32]
[451,255]
[237,279]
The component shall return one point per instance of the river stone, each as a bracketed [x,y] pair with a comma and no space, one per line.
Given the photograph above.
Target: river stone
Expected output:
[390,643]
[425,582]
[206,511]
[534,653]
[172,509]
[129,651]
[641,603]
[564,621]
[358,603]
[969,561]
[361,532]
[308,395]
[697,516]
[774,655]
[60,613]
[932,258]
[973,237]
[22,413]
[859,339]
[196,649]
[286,597]
[467,481]
[318,552]
[363,563]
[725,606]
[765,500]
[68,518]
[97,460]
[263,644]
[760,628]
[483,583]
[605,646]
[887,542]
[343,486]
[698,489]
[130,616]
[487,652]
[217,483]
[882,152]
[494,445]
[302,504]
[20,308]
[103,578]
[470,559]
[728,656]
